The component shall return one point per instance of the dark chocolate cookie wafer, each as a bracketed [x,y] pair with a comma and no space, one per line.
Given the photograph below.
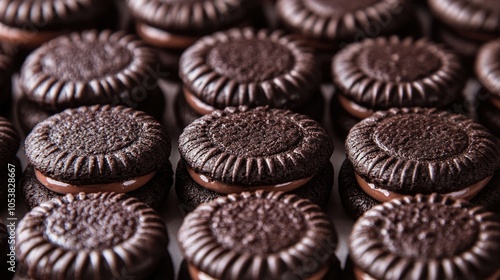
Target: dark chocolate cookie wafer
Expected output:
[242,149]
[426,237]
[487,69]
[90,68]
[410,151]
[384,73]
[92,236]
[28,24]
[6,70]
[248,67]
[261,235]
[98,148]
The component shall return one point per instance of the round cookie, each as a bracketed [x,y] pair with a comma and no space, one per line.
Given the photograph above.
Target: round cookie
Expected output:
[191,194]
[248,67]
[243,149]
[90,68]
[426,237]
[409,151]
[384,73]
[487,70]
[92,236]
[98,148]
[261,235]
[29,24]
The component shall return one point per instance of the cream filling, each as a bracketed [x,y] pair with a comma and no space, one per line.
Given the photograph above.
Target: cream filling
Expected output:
[200,107]
[26,38]
[354,109]
[196,274]
[383,195]
[163,39]
[121,187]
[224,188]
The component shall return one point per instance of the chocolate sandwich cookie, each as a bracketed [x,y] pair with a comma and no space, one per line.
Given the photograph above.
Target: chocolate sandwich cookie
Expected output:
[6,70]
[383,73]
[330,25]
[242,149]
[260,235]
[251,68]
[11,167]
[409,151]
[88,68]
[487,70]
[93,236]
[426,237]
[474,22]
[172,26]
[96,149]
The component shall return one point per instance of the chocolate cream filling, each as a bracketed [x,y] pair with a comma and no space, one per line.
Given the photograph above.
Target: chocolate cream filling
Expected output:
[223,188]
[196,274]
[24,38]
[359,274]
[382,195]
[163,39]
[121,187]
[200,107]
[354,109]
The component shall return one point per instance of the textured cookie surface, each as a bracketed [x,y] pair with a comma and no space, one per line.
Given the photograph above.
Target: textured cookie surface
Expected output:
[9,141]
[93,236]
[342,20]
[152,193]
[49,14]
[470,15]
[247,67]
[255,147]
[262,235]
[190,194]
[384,73]
[487,67]
[87,68]
[98,144]
[427,237]
[195,17]
[489,116]
[421,151]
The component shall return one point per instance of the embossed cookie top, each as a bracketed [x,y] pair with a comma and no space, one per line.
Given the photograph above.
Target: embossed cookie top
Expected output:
[36,15]
[384,73]
[9,141]
[434,231]
[470,15]
[487,67]
[98,144]
[261,228]
[342,20]
[255,146]
[199,17]
[421,151]
[86,68]
[261,60]
[102,233]
[251,68]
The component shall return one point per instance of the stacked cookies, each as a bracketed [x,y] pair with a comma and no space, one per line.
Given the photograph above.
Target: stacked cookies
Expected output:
[242,149]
